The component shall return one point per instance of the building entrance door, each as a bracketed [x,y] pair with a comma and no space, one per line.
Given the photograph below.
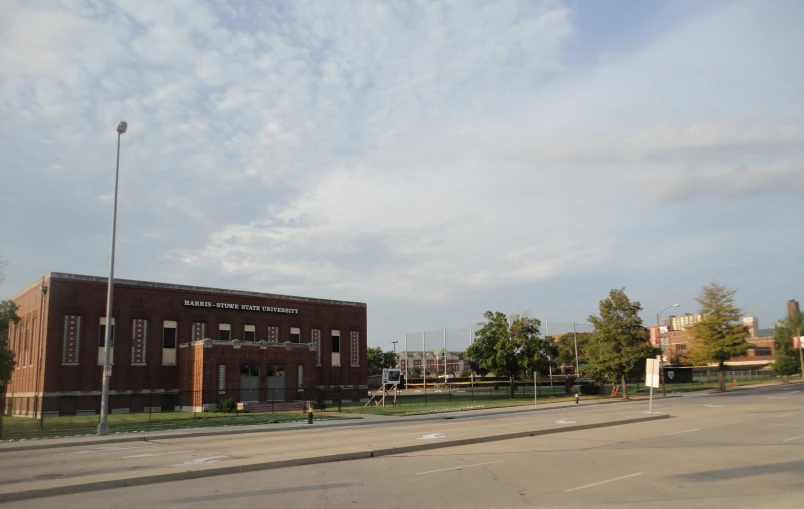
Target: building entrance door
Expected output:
[276,383]
[249,382]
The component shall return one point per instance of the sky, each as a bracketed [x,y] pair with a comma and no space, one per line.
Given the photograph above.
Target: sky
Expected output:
[433,159]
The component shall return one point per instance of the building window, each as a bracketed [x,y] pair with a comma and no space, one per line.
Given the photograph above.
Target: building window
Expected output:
[762,351]
[295,335]
[681,346]
[249,333]
[199,331]
[222,378]
[224,332]
[169,335]
[273,334]
[336,348]
[316,339]
[300,375]
[354,348]
[102,341]
[139,336]
[71,340]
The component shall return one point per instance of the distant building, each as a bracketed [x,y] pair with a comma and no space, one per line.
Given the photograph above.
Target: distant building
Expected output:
[752,323]
[434,361]
[682,322]
[792,307]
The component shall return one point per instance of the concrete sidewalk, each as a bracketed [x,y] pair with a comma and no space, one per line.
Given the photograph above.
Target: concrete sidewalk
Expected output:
[345,420]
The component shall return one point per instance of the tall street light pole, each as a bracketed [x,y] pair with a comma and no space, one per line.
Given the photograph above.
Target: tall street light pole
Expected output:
[661,346]
[103,425]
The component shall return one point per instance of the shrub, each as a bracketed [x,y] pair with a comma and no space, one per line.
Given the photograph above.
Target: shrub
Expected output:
[590,389]
[227,405]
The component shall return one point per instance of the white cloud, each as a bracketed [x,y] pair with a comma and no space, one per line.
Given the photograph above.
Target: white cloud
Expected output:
[402,150]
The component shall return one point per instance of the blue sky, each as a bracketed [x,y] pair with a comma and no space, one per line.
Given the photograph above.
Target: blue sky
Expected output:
[435,160]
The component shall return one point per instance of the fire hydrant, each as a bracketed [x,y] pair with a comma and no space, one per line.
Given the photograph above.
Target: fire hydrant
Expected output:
[310,414]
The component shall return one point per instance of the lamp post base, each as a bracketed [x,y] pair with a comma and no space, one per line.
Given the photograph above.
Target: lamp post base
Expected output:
[103,429]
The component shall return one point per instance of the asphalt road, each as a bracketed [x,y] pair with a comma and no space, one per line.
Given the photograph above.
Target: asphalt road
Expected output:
[744,449]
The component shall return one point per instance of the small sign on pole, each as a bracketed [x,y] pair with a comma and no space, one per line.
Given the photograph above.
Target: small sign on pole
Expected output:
[652,368]
[107,371]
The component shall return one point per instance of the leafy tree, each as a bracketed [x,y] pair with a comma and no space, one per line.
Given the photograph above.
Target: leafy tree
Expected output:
[506,346]
[787,362]
[7,364]
[375,361]
[389,359]
[719,335]
[786,328]
[620,342]
[8,314]
[566,348]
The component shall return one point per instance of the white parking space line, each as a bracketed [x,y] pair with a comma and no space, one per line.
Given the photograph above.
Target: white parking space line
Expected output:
[459,468]
[152,454]
[679,432]
[793,438]
[785,415]
[200,461]
[602,482]
[102,449]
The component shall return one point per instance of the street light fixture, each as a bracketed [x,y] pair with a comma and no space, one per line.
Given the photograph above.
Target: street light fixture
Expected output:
[661,346]
[103,425]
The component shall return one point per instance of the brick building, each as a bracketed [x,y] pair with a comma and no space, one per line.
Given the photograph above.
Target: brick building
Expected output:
[177,347]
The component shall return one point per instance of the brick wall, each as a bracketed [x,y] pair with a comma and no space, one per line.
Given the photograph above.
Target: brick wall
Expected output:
[140,310]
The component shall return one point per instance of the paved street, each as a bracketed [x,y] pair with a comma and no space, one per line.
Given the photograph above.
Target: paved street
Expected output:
[744,449]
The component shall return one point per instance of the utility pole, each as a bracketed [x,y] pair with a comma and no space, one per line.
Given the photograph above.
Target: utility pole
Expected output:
[575,337]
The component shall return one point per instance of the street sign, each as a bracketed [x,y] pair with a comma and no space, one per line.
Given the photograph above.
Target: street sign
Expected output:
[796,342]
[665,341]
[107,371]
[391,376]
[652,373]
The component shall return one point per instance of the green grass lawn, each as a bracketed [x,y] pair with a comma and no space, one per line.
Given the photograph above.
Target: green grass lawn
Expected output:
[25,427]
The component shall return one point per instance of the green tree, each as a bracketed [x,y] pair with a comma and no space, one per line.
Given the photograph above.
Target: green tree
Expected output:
[787,362]
[8,314]
[506,346]
[786,328]
[566,348]
[375,360]
[620,342]
[720,335]
[389,360]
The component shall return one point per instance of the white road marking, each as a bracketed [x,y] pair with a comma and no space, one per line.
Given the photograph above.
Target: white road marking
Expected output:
[794,438]
[602,482]
[679,432]
[715,406]
[200,461]
[778,397]
[102,449]
[786,415]
[565,422]
[431,436]
[152,454]
[458,468]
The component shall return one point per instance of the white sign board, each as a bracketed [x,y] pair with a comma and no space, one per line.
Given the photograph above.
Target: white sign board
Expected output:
[652,373]
[107,371]
[796,342]
[391,376]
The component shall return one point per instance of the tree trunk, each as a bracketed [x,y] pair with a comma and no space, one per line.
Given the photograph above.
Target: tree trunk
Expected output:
[721,379]
[511,386]
[625,388]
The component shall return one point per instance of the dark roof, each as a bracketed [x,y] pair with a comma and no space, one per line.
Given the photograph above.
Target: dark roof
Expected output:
[200,289]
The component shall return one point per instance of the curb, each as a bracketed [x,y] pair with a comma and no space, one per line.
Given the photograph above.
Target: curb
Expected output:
[270,465]
[151,435]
